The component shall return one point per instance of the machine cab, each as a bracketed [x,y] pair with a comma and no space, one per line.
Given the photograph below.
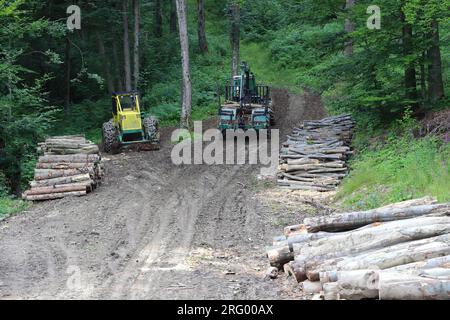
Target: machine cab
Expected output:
[126,111]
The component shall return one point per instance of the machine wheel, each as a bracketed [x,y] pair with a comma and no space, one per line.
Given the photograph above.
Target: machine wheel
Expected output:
[109,136]
[151,129]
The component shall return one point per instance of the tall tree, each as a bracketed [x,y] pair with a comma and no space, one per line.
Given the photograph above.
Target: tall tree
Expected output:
[235,35]
[67,63]
[202,42]
[173,17]
[410,69]
[126,46]
[186,106]
[158,31]
[435,82]
[117,67]
[137,32]
[105,62]
[349,28]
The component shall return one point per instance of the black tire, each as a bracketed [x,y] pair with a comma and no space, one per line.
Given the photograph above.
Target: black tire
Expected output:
[109,136]
[151,129]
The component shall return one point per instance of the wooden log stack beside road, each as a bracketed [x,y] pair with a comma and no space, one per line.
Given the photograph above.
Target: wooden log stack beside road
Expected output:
[70,166]
[400,251]
[315,154]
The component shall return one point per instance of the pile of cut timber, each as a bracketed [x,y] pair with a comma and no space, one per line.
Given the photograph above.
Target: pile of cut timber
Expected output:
[401,251]
[70,166]
[314,155]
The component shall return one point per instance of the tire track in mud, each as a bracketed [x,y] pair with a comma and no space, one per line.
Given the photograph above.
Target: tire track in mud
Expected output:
[153,230]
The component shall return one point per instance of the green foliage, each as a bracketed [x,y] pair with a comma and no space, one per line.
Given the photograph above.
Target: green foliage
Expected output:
[399,169]
[9,206]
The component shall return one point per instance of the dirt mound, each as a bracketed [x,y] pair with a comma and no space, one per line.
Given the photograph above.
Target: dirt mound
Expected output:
[291,109]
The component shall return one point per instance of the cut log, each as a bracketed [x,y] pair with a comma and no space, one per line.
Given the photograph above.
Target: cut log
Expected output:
[78,158]
[294,229]
[331,291]
[43,174]
[348,221]
[278,256]
[417,267]
[296,270]
[84,150]
[64,166]
[384,235]
[400,286]
[53,196]
[60,189]
[61,181]
[310,287]
[384,258]
[358,284]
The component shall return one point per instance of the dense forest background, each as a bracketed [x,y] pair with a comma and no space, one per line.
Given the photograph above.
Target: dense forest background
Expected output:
[57,81]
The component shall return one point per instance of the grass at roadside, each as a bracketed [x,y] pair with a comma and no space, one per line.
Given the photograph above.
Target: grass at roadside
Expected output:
[10,206]
[401,169]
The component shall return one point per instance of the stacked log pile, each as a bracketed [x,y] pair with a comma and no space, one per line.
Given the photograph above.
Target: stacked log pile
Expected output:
[70,166]
[314,155]
[400,251]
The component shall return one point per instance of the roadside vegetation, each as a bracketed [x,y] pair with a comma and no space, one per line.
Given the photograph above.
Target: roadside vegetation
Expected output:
[54,82]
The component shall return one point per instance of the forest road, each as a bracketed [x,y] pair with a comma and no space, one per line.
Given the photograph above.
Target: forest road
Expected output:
[153,230]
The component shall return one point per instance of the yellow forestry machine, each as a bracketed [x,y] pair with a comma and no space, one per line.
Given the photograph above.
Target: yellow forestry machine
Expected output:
[129,125]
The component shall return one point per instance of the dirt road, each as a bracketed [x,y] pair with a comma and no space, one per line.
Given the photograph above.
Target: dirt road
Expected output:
[153,230]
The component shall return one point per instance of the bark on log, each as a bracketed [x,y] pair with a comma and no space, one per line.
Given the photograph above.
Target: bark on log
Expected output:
[60,189]
[61,181]
[53,196]
[69,158]
[296,270]
[348,221]
[358,284]
[310,287]
[64,166]
[438,262]
[84,150]
[400,286]
[384,235]
[331,291]
[44,174]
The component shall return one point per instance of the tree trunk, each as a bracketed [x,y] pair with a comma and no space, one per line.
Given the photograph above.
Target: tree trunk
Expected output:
[70,158]
[235,37]
[440,262]
[435,82]
[62,180]
[410,70]
[52,196]
[137,21]
[348,221]
[186,106]
[423,78]
[399,286]
[385,235]
[67,74]
[349,27]
[173,17]
[117,67]
[106,66]
[45,174]
[358,284]
[392,256]
[158,31]
[126,46]
[61,189]
[279,255]
[202,42]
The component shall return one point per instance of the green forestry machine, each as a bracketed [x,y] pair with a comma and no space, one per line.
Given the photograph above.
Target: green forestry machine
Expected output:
[247,105]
